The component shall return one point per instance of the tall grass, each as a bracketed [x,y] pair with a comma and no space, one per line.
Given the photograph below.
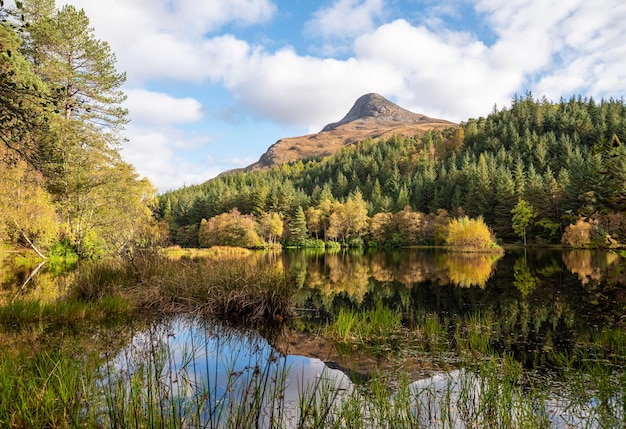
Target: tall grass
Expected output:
[376,330]
[241,289]
[154,384]
[48,390]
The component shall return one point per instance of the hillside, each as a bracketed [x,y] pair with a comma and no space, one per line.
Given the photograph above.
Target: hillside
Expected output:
[372,116]
[565,159]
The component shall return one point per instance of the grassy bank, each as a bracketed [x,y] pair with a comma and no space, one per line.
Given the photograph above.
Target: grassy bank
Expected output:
[243,289]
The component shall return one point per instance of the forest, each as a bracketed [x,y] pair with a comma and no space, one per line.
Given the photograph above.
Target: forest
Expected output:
[63,184]
[538,171]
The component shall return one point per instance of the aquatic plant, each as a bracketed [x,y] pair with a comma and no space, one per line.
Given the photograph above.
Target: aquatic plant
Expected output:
[245,289]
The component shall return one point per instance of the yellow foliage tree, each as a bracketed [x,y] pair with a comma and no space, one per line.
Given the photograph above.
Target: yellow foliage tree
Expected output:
[578,234]
[470,235]
[229,229]
[27,214]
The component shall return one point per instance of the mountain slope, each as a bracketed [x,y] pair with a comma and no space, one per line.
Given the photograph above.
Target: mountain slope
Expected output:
[371,116]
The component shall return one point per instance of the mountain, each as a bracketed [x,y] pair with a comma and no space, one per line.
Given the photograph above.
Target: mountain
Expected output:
[371,116]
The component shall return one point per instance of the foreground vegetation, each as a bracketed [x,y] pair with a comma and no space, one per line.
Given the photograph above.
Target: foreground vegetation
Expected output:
[155,383]
[238,289]
[92,358]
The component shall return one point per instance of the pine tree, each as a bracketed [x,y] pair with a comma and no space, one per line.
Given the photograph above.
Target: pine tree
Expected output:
[298,232]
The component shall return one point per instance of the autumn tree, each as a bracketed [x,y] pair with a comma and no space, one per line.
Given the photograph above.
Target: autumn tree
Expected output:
[271,226]
[229,229]
[27,215]
[470,235]
[578,234]
[380,225]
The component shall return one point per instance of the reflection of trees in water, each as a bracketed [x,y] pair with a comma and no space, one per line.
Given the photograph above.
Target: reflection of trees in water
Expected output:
[342,272]
[524,281]
[32,280]
[469,269]
[530,306]
[588,265]
[337,273]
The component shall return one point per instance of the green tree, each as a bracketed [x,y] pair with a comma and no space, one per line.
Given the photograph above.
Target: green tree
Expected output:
[78,67]
[298,232]
[523,214]
[24,102]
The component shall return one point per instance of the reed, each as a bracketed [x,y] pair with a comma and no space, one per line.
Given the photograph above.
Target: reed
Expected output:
[377,330]
[241,289]
[46,390]
[154,385]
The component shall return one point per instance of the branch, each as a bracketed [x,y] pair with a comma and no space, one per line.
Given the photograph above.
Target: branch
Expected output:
[41,255]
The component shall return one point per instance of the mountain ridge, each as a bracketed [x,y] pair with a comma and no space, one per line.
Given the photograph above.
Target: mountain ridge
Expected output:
[371,116]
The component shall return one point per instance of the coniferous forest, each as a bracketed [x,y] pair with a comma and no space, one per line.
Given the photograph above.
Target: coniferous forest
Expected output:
[541,171]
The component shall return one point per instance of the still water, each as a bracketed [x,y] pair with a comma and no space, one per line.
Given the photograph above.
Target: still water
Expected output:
[557,317]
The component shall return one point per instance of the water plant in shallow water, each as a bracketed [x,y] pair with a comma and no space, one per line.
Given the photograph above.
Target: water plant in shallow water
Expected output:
[246,290]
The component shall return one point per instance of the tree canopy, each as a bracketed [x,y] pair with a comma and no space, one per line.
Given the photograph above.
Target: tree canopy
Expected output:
[62,124]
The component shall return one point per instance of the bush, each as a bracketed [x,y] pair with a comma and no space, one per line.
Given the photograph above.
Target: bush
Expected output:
[470,235]
[578,234]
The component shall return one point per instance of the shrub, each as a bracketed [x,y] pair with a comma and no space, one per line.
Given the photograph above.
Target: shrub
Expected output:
[578,234]
[229,229]
[470,235]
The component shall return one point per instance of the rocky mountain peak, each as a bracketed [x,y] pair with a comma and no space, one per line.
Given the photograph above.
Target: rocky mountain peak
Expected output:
[376,107]
[372,116]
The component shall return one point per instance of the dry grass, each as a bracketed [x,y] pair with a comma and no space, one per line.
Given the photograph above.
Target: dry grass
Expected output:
[215,252]
[243,289]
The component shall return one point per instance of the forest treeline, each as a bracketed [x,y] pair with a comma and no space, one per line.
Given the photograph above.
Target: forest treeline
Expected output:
[540,171]
[63,185]
[543,171]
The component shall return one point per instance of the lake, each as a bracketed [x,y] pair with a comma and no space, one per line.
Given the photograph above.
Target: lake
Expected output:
[414,336]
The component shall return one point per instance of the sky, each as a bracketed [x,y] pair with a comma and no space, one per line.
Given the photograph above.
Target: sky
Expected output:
[211,84]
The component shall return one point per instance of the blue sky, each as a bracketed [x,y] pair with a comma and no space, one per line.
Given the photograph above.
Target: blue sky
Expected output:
[211,84]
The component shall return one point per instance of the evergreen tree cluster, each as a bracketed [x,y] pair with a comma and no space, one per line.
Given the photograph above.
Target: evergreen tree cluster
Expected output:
[564,159]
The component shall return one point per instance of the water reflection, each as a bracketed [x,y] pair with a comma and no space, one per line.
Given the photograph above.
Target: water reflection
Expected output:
[351,272]
[32,279]
[202,374]
[534,303]
[211,375]
[588,265]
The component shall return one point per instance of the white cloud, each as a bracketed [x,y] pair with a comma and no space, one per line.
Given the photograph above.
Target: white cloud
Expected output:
[158,108]
[156,154]
[345,19]
[551,47]
[164,39]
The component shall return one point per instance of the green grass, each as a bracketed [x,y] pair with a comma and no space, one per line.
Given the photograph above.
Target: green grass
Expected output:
[155,386]
[376,330]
